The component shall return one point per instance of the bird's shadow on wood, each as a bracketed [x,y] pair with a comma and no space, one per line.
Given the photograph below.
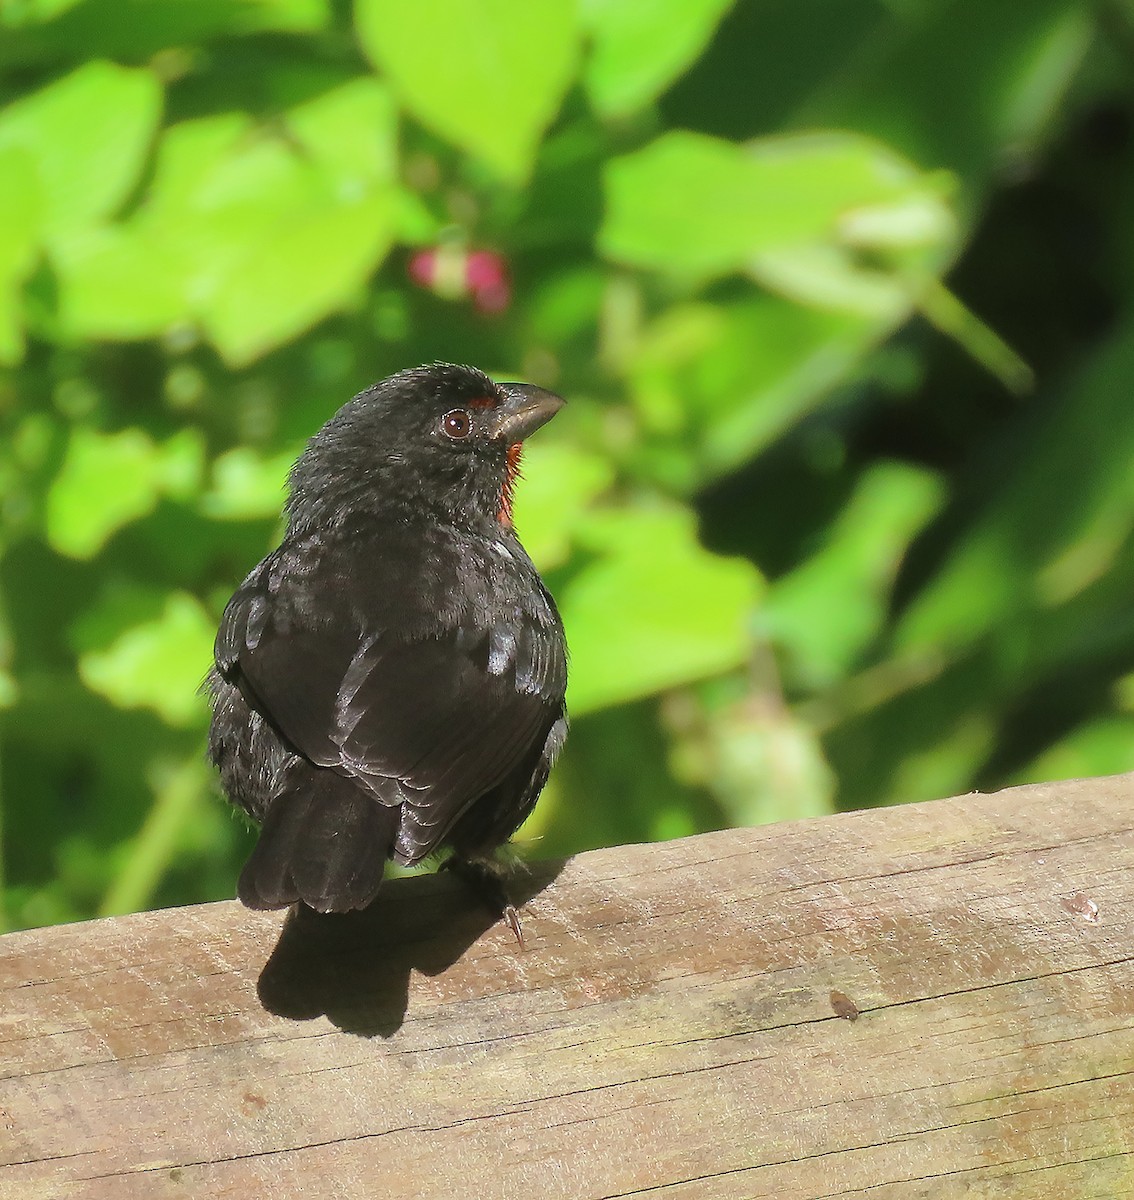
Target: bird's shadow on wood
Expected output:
[356,968]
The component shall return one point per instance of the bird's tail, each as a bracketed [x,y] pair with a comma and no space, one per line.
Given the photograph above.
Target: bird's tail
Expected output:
[324,841]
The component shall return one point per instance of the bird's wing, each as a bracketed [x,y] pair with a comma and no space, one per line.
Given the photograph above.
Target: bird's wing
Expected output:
[361,685]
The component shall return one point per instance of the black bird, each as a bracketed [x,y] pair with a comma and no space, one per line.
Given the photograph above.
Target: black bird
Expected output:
[390,680]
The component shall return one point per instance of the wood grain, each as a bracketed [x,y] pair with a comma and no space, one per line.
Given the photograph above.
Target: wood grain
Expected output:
[931,1001]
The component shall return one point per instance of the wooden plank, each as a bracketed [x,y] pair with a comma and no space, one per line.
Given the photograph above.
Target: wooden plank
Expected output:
[682,1024]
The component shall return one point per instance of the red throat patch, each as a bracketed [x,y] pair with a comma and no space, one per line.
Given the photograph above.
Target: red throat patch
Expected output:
[512,473]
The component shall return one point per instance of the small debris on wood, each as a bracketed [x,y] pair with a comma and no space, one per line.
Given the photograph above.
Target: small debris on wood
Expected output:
[1079,905]
[844,1006]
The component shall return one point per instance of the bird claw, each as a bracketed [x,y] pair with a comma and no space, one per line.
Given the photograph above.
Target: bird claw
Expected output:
[489,890]
[512,916]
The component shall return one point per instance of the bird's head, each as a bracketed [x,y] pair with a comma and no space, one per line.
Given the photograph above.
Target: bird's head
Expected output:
[437,437]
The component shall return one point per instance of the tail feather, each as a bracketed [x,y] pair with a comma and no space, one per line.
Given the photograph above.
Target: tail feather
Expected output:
[324,842]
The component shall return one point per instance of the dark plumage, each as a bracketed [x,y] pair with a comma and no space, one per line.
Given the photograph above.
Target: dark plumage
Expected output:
[390,680]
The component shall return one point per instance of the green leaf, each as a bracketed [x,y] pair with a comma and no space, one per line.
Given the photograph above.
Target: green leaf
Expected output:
[88,134]
[139,278]
[119,282]
[158,664]
[559,482]
[253,234]
[795,212]
[653,610]
[722,382]
[246,486]
[108,480]
[266,297]
[488,75]
[823,640]
[638,50]
[352,131]
[826,277]
[333,206]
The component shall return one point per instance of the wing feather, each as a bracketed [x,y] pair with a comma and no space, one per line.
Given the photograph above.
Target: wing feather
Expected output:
[357,681]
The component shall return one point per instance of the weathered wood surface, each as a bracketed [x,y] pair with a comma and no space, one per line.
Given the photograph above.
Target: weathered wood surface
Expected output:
[680,1025]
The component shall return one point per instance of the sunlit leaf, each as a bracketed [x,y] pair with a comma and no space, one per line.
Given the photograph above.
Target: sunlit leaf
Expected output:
[488,75]
[108,480]
[352,131]
[119,282]
[653,610]
[792,211]
[243,231]
[247,486]
[728,380]
[158,664]
[559,482]
[266,297]
[89,134]
[825,277]
[637,50]
[828,611]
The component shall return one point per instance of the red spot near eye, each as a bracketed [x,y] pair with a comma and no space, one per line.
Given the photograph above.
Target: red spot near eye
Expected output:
[483,402]
[511,474]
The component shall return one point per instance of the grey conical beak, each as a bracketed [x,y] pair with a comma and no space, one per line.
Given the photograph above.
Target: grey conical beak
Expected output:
[525,408]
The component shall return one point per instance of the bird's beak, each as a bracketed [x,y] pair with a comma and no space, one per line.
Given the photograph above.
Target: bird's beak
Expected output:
[525,408]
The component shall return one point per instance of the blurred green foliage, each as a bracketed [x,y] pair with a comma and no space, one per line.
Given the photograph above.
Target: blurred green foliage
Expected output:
[841,511]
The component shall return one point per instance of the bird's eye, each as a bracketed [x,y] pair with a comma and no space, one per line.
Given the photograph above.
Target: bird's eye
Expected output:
[456,424]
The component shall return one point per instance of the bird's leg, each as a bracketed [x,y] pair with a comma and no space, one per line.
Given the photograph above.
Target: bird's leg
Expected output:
[484,878]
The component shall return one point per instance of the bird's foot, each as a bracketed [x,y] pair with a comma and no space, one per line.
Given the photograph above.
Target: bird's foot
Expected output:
[484,880]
